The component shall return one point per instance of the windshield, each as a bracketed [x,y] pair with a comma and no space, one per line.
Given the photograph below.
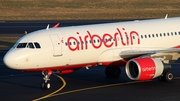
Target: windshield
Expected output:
[21,45]
[29,45]
[37,45]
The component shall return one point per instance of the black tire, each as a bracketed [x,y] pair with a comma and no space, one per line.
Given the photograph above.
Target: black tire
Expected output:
[112,71]
[45,85]
[168,76]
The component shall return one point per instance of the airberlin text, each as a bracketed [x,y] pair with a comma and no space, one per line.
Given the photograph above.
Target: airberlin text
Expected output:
[108,40]
[147,69]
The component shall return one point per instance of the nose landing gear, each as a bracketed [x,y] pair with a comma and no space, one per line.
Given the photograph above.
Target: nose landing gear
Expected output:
[46,84]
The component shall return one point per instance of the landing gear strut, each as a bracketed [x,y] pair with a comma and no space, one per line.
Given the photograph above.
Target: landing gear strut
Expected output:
[167,76]
[112,71]
[46,84]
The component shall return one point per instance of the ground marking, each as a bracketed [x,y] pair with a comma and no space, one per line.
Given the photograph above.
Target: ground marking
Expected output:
[49,95]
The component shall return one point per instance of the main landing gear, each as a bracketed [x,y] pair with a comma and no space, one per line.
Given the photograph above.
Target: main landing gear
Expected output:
[46,84]
[112,71]
[166,76]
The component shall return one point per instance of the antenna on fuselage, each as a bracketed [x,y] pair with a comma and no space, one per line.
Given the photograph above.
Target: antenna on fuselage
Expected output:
[166,16]
[25,32]
[47,28]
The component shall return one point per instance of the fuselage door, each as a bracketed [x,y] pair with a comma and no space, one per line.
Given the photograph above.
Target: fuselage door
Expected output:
[57,45]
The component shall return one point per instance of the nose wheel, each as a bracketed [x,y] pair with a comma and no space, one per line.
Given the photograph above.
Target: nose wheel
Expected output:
[46,83]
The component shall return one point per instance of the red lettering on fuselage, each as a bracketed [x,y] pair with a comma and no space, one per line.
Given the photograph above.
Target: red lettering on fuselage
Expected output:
[70,39]
[107,40]
[92,40]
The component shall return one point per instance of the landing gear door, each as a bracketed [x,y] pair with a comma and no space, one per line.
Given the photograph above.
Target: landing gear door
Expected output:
[57,45]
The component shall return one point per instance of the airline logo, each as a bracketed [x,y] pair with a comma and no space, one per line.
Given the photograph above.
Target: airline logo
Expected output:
[148,68]
[107,39]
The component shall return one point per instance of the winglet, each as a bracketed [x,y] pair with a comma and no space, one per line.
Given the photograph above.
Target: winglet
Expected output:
[47,28]
[57,25]
[166,16]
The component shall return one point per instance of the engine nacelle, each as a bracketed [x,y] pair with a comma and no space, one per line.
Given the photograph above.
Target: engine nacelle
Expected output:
[144,68]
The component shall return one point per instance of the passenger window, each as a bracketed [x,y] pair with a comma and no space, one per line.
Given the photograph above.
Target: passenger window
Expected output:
[153,35]
[22,45]
[74,43]
[145,36]
[30,45]
[164,34]
[156,35]
[65,44]
[127,38]
[98,41]
[175,33]
[37,45]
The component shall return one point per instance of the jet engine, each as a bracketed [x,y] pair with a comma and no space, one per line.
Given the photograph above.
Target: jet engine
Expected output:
[145,68]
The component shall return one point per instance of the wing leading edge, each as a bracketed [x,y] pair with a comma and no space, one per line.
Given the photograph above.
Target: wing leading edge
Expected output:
[167,55]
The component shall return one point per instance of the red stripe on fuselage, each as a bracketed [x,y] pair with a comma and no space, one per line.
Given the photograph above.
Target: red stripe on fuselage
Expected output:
[75,67]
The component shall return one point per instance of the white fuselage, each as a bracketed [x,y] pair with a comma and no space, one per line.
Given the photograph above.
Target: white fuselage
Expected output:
[83,46]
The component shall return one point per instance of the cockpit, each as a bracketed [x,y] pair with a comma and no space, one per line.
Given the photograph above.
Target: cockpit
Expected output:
[31,45]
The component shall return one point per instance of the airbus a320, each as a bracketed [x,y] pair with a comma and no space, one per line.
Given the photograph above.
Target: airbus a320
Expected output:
[146,48]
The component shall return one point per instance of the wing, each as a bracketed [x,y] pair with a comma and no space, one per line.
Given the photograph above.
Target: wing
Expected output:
[167,55]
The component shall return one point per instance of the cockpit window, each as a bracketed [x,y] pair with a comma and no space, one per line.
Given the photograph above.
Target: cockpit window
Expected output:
[30,45]
[37,45]
[22,45]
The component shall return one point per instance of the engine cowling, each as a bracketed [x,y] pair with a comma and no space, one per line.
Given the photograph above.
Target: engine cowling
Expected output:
[144,68]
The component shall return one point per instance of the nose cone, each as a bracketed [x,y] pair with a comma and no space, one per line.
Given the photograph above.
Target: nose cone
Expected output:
[10,60]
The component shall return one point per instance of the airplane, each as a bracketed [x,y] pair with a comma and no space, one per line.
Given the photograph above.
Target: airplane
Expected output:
[147,49]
